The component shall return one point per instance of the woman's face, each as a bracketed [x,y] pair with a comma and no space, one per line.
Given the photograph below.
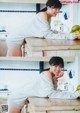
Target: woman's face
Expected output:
[52,11]
[56,69]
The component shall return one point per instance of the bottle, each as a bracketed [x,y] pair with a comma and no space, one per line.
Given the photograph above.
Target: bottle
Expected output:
[66,86]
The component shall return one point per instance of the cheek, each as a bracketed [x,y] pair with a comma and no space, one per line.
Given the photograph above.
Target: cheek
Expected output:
[54,13]
[51,11]
[57,71]
[54,70]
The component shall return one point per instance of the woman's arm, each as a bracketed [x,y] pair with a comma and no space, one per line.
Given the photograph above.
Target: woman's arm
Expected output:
[51,35]
[64,94]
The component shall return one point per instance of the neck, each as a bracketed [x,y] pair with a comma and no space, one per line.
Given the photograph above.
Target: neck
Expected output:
[47,15]
[51,73]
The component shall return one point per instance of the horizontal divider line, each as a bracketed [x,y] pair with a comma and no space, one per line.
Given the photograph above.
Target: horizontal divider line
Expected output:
[17,11]
[20,11]
[14,69]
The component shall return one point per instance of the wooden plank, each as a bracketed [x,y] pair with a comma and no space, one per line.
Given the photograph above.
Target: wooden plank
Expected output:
[3,105]
[3,47]
[36,1]
[61,53]
[49,48]
[30,110]
[35,59]
[24,1]
[46,104]
[3,101]
[34,54]
[63,112]
[53,108]
[28,52]
[49,44]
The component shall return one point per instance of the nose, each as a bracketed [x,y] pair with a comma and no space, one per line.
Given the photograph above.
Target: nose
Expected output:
[57,10]
[59,69]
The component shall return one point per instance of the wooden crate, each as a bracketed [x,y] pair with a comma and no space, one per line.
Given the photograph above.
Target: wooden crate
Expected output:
[48,48]
[46,105]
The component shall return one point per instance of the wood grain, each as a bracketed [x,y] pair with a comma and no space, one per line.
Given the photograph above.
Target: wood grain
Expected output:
[47,105]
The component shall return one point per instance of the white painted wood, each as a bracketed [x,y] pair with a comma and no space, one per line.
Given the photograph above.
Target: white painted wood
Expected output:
[62,53]
[24,1]
[28,58]
[63,112]
[35,1]
[3,47]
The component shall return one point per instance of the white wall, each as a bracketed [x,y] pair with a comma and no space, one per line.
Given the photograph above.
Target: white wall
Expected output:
[15,78]
[73,14]
[77,68]
[15,20]
[79,14]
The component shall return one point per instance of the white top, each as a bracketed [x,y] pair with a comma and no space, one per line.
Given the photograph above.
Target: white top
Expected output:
[41,86]
[38,27]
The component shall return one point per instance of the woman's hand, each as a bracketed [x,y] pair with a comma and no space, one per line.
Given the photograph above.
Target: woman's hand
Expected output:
[58,76]
[76,35]
[78,94]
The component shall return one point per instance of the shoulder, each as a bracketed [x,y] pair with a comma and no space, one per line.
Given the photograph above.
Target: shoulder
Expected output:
[47,74]
[44,72]
[43,15]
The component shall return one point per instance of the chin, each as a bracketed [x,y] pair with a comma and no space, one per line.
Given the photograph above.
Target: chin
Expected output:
[57,74]
[54,15]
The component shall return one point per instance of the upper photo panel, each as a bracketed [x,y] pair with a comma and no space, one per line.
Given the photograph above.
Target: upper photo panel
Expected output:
[39,29]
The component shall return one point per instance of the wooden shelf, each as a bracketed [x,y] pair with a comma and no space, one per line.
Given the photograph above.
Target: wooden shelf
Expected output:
[51,105]
[28,58]
[24,1]
[48,48]
[35,1]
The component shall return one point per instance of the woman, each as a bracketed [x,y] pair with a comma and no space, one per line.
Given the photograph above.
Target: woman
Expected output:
[39,27]
[42,85]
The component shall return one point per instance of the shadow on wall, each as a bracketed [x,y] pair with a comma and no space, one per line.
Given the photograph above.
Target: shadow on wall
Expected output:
[3,47]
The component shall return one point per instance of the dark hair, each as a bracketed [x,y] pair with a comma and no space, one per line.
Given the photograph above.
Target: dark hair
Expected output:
[44,9]
[56,61]
[52,3]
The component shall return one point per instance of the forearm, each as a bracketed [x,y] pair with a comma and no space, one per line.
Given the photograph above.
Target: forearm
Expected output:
[51,35]
[64,94]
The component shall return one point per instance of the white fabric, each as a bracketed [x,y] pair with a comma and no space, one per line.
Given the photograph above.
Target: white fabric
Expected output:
[38,27]
[41,86]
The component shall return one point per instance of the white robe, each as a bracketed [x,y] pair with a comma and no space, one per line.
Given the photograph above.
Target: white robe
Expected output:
[38,27]
[41,86]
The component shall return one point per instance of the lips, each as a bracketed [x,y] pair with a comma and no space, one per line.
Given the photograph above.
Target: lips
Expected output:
[56,73]
[54,14]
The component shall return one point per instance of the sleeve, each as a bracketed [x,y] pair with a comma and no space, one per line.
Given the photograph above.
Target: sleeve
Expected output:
[48,33]
[51,35]
[47,88]
[42,29]
[63,94]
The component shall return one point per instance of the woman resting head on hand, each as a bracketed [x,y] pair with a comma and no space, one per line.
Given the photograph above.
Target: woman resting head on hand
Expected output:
[42,85]
[55,71]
